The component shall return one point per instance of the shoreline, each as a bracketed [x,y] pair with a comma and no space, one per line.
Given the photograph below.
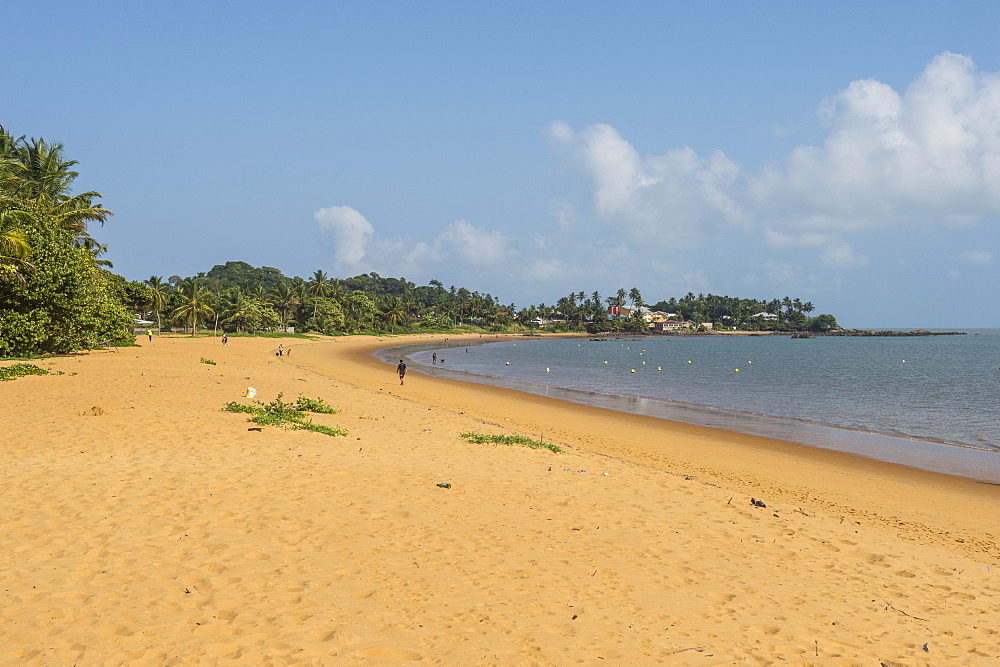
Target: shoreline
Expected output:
[144,524]
[979,464]
[717,454]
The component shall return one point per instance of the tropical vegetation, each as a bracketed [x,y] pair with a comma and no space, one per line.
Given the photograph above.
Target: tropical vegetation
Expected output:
[58,293]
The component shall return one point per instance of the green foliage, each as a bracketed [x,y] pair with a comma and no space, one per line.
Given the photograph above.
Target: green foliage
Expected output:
[287,415]
[20,370]
[241,274]
[207,361]
[481,438]
[313,405]
[272,334]
[66,304]
[823,323]
[327,318]
[63,301]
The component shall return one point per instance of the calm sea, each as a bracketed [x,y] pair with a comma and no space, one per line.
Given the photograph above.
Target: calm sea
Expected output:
[928,401]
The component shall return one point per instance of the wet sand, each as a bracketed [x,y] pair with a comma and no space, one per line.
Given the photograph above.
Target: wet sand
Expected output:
[143,524]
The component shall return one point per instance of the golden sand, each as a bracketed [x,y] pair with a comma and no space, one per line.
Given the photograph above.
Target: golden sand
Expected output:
[141,524]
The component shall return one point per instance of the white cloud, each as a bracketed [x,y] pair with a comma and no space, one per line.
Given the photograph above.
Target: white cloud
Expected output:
[460,247]
[931,153]
[842,255]
[564,215]
[781,272]
[471,245]
[977,256]
[922,157]
[661,200]
[351,234]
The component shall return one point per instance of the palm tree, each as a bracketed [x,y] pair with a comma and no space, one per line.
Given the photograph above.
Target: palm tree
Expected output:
[157,296]
[69,213]
[336,290]
[318,288]
[43,170]
[194,304]
[14,251]
[635,297]
[96,249]
[394,314]
[285,300]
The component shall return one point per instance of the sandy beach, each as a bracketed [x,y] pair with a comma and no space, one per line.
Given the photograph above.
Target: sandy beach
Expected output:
[144,525]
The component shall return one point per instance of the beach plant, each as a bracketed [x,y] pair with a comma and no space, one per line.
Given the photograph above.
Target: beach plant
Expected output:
[20,370]
[287,415]
[207,361]
[313,405]
[482,438]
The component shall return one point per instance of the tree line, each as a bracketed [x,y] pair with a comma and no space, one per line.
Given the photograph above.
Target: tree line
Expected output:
[237,297]
[58,293]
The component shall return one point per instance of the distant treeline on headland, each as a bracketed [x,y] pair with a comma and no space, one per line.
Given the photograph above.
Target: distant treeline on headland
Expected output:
[238,297]
[58,293]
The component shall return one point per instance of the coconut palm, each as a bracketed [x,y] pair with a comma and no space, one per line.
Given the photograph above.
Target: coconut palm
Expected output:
[96,250]
[636,298]
[43,170]
[394,314]
[14,252]
[194,306]
[157,296]
[284,299]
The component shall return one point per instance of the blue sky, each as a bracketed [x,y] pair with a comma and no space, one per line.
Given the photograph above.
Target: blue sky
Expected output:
[846,153]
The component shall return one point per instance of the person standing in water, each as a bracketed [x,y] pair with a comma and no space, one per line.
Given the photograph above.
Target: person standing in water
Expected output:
[401,369]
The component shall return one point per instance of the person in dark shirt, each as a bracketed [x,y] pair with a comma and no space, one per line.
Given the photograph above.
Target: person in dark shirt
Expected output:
[401,369]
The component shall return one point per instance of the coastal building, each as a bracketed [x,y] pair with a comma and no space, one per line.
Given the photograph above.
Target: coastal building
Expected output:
[670,325]
[658,316]
[767,317]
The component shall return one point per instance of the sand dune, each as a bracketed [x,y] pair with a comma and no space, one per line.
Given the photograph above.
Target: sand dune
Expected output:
[142,524]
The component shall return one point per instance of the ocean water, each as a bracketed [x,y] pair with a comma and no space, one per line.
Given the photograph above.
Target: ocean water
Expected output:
[928,401]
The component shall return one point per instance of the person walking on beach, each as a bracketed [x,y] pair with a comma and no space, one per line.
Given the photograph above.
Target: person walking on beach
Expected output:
[225,340]
[401,369]
[149,332]
[434,358]
[281,350]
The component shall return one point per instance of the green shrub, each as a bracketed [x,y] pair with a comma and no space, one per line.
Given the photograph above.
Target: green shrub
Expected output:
[287,415]
[20,370]
[482,438]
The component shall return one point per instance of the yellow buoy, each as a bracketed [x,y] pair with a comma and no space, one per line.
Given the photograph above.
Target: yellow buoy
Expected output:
[736,370]
[658,368]
[633,370]
[644,363]
[508,363]
[546,370]
[605,362]
[689,361]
